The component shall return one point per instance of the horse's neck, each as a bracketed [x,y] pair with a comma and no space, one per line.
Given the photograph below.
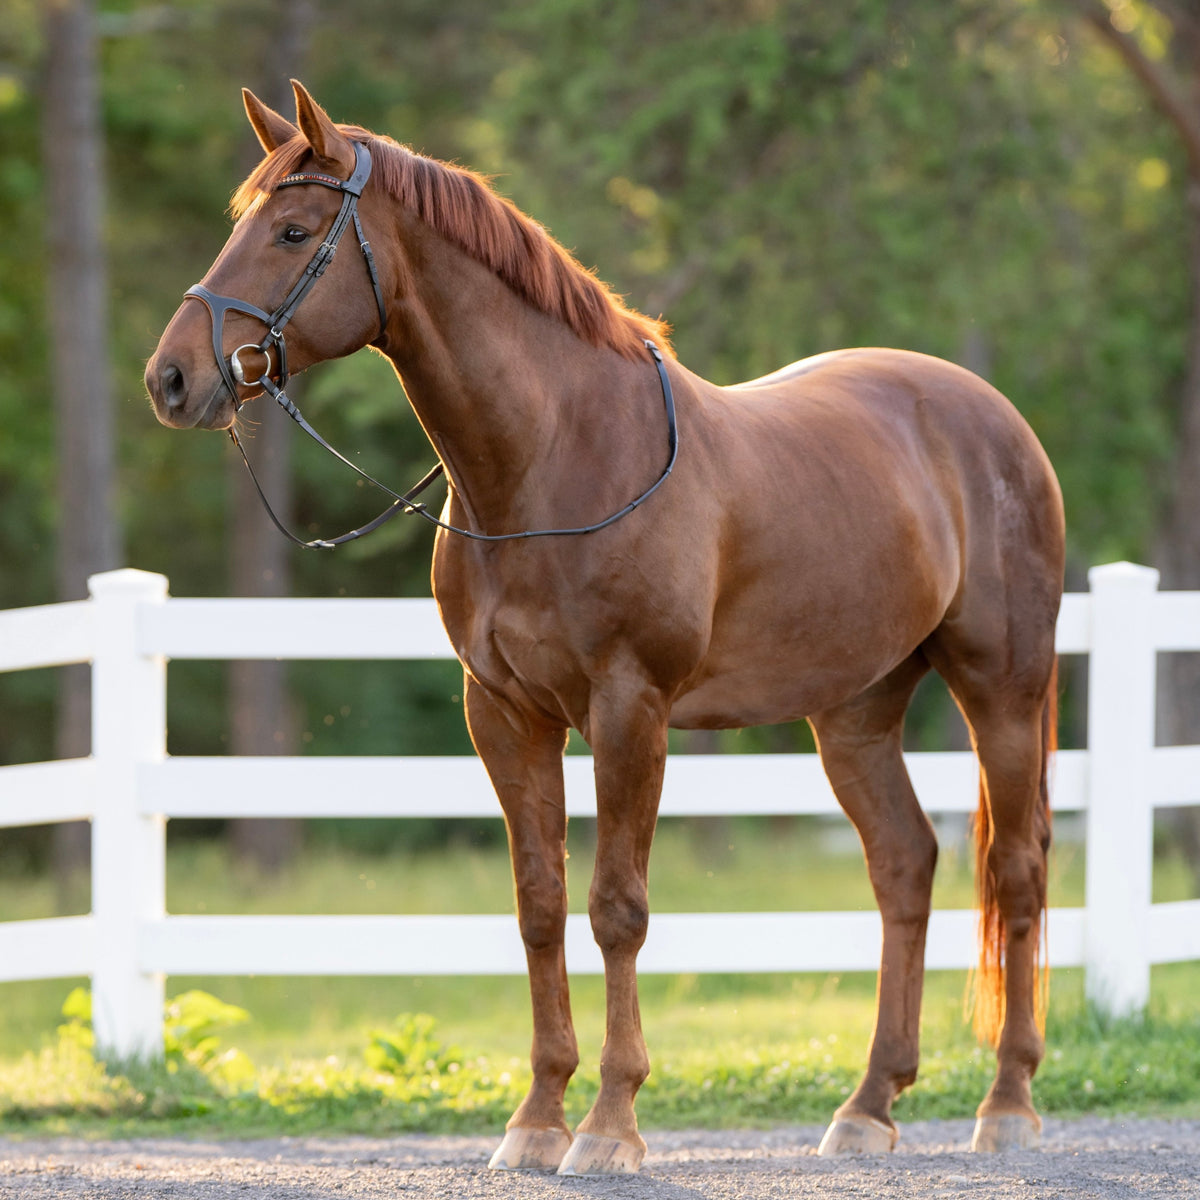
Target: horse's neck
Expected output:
[509,397]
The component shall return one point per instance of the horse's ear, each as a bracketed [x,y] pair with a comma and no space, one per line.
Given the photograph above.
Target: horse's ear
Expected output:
[271,129]
[332,148]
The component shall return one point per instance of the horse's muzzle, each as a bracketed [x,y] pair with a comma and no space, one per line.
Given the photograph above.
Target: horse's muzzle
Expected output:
[176,406]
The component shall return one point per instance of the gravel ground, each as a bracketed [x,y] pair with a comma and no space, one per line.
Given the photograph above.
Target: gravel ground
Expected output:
[1089,1157]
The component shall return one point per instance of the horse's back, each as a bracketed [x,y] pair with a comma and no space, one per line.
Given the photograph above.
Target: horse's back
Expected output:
[893,410]
[889,492]
[803,366]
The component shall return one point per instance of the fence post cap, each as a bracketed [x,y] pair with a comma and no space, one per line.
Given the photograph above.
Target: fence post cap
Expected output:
[128,582]
[1123,572]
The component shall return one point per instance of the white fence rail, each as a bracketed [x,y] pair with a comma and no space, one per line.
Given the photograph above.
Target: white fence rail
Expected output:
[129,787]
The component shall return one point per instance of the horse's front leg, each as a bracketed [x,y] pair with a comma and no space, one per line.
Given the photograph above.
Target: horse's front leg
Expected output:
[628,734]
[524,760]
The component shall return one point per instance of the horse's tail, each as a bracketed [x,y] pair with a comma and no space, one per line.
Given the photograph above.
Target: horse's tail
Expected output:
[988,988]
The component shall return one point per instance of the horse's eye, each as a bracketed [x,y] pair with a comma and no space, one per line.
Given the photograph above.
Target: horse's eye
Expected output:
[294,235]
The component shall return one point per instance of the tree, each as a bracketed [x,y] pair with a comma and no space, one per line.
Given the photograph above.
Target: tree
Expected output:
[89,538]
[981,179]
[263,720]
[791,179]
[1159,42]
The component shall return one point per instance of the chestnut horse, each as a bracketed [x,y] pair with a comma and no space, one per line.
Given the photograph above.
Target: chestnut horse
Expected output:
[829,533]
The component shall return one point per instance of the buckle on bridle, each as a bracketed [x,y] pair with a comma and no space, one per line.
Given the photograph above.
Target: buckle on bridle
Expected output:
[238,371]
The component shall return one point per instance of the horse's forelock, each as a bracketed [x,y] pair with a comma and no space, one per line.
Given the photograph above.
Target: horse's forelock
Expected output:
[260,183]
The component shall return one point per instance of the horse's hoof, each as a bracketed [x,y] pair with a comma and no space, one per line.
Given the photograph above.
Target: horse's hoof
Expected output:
[531,1150]
[1011,1131]
[858,1135]
[592,1155]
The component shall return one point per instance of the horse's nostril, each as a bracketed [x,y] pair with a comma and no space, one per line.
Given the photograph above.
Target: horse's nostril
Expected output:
[173,390]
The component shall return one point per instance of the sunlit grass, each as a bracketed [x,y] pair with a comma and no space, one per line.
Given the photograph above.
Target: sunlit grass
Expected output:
[726,865]
[717,865]
[725,1049]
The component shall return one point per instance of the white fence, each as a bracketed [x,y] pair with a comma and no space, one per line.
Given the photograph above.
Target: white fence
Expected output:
[129,787]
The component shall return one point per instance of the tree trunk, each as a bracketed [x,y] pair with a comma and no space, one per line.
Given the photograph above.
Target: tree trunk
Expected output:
[262,714]
[89,538]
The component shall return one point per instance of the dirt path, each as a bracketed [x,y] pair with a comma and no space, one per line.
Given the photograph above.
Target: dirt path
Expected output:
[1085,1158]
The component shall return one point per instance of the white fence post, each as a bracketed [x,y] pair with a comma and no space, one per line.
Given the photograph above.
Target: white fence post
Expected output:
[1120,812]
[128,849]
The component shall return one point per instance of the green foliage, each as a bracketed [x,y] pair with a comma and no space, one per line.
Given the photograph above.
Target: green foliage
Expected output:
[409,1046]
[66,1081]
[191,1022]
[365,1055]
[980,179]
[190,1037]
[1095,1063]
[728,1052]
[963,179]
[77,1029]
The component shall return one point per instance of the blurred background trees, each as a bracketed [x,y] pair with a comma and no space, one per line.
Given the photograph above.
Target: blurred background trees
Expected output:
[80,375]
[993,181]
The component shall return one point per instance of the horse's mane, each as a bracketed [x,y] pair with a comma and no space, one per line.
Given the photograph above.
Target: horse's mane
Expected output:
[460,206]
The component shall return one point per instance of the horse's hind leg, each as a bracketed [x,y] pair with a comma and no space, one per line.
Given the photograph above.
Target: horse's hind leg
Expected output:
[860,747]
[1008,698]
[525,765]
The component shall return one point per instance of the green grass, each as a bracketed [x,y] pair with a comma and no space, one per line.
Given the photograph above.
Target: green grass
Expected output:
[726,1050]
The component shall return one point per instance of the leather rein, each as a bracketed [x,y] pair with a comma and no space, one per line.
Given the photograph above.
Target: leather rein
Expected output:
[233,373]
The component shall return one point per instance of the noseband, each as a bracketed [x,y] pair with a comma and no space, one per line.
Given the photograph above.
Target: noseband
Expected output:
[233,373]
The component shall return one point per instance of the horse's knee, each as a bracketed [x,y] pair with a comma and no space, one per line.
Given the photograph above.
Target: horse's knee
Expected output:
[620,917]
[542,913]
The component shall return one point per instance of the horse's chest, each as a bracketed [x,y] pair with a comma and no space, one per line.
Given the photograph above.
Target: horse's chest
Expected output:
[562,625]
[521,651]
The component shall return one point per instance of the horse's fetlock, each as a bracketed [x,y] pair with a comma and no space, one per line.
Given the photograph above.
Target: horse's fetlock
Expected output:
[630,1067]
[899,1071]
[556,1061]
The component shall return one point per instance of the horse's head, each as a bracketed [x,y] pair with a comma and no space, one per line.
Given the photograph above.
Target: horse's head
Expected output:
[276,299]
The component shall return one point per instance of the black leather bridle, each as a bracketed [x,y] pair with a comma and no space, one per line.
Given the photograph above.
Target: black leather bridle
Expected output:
[231,370]
[233,373]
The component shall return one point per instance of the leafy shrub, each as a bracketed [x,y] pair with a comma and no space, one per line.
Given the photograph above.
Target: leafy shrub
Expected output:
[410,1048]
[190,1037]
